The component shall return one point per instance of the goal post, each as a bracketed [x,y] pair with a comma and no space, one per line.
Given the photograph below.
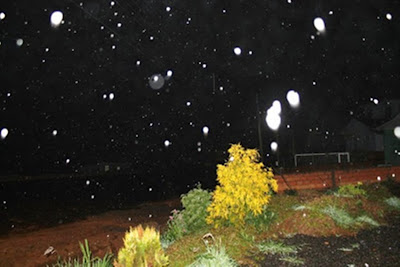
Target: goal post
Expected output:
[318,157]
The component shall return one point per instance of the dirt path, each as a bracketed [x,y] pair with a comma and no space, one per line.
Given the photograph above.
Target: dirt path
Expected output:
[104,233]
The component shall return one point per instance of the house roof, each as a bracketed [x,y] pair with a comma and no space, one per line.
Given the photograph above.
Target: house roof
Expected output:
[393,123]
[355,126]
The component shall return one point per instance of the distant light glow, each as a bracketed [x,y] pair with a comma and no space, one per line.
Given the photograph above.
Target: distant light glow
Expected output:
[206,130]
[389,16]
[111,96]
[274,146]
[204,65]
[20,42]
[56,18]
[138,63]
[331,12]
[119,24]
[2,15]
[188,103]
[237,51]
[112,3]
[378,178]
[277,107]
[168,9]
[273,121]
[273,117]
[167,143]
[319,24]
[293,98]
[55,132]
[4,133]
[169,73]
[376,101]
[397,132]
[67,161]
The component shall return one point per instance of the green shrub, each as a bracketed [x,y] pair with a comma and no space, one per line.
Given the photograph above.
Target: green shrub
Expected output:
[87,259]
[190,219]
[142,248]
[245,186]
[195,204]
[351,190]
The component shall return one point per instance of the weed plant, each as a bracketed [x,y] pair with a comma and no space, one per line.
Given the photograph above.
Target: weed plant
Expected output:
[215,256]
[394,202]
[351,190]
[345,220]
[263,221]
[87,259]
[292,260]
[275,247]
[176,229]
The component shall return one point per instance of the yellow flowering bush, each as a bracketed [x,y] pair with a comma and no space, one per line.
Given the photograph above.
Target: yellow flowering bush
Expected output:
[142,248]
[245,186]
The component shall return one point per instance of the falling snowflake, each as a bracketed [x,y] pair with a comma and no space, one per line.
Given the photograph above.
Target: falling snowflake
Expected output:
[56,18]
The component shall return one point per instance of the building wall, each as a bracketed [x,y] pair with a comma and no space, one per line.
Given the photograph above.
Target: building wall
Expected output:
[323,179]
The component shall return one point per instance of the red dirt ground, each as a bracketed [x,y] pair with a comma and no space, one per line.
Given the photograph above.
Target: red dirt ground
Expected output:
[104,233]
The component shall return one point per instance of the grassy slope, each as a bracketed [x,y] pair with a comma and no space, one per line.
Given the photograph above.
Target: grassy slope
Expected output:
[299,214]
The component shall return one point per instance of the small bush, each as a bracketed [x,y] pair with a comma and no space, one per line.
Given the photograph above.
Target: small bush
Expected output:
[142,248]
[192,218]
[351,190]
[245,186]
[195,204]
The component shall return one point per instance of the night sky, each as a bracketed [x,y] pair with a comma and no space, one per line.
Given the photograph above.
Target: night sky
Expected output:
[79,93]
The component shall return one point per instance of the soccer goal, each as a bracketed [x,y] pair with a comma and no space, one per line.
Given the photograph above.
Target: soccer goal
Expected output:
[321,158]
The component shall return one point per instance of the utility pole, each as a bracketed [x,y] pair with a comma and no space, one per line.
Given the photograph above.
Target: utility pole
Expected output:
[260,143]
